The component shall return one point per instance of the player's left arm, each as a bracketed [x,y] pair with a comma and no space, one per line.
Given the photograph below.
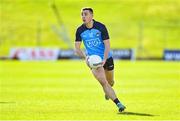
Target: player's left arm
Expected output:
[105,37]
[106,51]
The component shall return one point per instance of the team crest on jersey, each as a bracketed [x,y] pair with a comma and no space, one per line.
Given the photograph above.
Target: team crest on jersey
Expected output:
[97,34]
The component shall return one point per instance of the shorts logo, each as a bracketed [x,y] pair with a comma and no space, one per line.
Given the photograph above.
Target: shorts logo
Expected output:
[93,42]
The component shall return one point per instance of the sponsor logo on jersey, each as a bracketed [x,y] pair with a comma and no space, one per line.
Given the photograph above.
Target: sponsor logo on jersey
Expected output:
[93,42]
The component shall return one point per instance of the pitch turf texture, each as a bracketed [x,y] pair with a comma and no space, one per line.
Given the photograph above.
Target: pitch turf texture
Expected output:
[67,90]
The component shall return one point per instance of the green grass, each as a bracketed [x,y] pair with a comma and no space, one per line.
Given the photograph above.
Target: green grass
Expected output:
[67,90]
[19,20]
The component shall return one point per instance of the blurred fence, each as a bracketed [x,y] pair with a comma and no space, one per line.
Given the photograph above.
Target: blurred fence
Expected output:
[149,40]
[33,24]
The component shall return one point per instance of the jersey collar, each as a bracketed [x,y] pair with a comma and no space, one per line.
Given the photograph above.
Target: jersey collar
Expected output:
[92,26]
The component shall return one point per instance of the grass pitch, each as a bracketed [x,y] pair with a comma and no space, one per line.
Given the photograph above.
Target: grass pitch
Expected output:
[67,90]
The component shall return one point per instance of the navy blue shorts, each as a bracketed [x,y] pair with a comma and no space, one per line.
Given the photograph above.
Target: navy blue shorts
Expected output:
[109,65]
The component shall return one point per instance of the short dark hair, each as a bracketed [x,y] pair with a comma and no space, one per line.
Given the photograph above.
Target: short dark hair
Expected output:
[88,8]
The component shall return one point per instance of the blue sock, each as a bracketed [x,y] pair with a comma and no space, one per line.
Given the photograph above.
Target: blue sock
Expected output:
[118,103]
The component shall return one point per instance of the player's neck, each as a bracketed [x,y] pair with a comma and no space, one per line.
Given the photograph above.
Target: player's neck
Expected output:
[90,24]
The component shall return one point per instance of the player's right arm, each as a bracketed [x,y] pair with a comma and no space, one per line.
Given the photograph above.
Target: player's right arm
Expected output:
[80,53]
[78,42]
[78,50]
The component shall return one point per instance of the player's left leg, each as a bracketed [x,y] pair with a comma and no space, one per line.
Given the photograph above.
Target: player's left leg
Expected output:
[110,76]
[109,72]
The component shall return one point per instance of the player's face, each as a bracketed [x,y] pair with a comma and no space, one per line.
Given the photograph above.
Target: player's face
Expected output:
[87,16]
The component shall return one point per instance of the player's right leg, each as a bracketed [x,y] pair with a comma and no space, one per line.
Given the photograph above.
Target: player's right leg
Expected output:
[99,74]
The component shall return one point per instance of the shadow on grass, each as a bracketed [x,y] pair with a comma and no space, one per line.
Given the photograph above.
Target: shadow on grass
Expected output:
[134,113]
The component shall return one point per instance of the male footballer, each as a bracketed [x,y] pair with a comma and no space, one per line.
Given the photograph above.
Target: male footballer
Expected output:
[95,38]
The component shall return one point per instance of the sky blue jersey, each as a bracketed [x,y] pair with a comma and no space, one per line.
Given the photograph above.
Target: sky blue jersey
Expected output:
[93,38]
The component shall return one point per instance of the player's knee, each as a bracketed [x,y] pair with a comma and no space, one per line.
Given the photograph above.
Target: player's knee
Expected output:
[112,83]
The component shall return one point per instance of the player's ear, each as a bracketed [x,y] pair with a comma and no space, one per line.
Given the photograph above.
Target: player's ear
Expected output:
[92,15]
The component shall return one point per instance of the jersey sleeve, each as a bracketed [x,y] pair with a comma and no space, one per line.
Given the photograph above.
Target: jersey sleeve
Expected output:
[105,34]
[78,37]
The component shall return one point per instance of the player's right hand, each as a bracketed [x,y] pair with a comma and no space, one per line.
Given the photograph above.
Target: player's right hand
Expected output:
[87,62]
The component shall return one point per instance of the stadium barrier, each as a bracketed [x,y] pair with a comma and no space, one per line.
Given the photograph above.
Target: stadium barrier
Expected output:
[34,53]
[171,55]
[54,54]
[124,54]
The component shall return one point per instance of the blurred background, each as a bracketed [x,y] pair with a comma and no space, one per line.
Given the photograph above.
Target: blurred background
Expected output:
[148,27]
[66,89]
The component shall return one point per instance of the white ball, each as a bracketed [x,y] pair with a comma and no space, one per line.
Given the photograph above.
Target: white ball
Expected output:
[95,61]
